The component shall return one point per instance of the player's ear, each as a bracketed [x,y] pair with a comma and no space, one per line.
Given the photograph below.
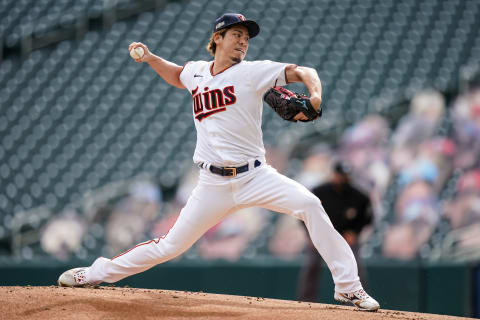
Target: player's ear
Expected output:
[219,35]
[217,38]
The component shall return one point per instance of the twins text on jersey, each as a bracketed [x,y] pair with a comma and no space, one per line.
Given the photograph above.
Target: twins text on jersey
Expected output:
[209,102]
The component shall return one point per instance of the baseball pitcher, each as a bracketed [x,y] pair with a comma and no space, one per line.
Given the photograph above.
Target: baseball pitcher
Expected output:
[227,95]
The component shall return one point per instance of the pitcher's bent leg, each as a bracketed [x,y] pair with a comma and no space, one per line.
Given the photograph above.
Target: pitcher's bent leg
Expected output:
[332,247]
[196,218]
[273,191]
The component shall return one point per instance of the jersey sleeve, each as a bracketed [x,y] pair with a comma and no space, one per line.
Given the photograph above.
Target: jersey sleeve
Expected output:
[186,75]
[266,74]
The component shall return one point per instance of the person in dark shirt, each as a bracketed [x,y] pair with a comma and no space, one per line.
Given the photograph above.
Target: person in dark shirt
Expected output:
[350,210]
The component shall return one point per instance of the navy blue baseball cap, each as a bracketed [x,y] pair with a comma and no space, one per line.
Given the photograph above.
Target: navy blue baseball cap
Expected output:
[232,19]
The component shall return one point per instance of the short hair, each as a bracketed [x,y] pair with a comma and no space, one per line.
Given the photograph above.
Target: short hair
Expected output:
[212,46]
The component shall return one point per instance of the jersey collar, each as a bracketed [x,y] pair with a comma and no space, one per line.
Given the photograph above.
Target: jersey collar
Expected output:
[211,68]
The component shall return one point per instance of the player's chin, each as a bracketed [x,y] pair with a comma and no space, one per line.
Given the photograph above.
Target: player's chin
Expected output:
[238,57]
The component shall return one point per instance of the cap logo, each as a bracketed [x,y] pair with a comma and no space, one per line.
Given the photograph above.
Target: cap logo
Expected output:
[220,24]
[241,17]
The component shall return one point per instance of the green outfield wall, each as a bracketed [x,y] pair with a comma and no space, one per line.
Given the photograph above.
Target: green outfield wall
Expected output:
[433,288]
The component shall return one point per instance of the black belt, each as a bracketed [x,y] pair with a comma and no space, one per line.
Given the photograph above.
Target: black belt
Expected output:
[232,171]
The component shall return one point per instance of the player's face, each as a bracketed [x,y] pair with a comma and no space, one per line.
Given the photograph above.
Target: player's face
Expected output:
[235,43]
[339,179]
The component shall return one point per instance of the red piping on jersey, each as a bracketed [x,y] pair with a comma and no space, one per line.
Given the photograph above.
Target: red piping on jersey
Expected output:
[141,244]
[211,69]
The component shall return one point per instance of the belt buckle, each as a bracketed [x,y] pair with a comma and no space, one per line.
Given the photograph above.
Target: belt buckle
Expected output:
[234,171]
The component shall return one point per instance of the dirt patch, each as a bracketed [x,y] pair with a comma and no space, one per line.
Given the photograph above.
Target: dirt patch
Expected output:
[128,303]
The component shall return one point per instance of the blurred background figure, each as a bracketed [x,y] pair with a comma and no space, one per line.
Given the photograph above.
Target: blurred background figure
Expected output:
[365,145]
[131,218]
[466,133]
[350,211]
[420,124]
[229,239]
[462,243]
[62,236]
[421,161]
[416,215]
[288,239]
[316,167]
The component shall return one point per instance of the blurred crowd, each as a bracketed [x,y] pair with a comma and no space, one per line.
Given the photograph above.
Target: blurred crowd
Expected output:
[421,172]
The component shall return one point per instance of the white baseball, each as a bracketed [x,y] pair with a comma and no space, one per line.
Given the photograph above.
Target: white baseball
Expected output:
[137,53]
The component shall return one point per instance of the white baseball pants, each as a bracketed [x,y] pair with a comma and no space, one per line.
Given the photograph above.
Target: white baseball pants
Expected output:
[213,199]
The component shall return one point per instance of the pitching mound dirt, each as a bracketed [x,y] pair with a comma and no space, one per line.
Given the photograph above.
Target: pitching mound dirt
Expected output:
[128,303]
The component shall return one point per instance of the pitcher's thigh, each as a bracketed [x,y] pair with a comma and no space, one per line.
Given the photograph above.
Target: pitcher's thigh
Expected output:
[277,192]
[201,212]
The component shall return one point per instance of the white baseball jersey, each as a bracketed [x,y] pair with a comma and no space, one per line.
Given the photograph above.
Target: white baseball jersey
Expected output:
[227,108]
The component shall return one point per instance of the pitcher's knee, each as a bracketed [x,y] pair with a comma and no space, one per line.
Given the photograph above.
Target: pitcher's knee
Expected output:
[309,204]
[312,203]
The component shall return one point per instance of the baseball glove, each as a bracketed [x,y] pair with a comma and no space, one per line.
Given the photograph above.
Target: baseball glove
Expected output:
[288,104]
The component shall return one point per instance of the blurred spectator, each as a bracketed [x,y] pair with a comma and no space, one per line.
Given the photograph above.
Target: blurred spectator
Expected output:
[416,215]
[463,213]
[316,167]
[131,218]
[166,220]
[375,178]
[420,124]
[419,169]
[230,238]
[464,210]
[365,141]
[402,241]
[466,122]
[423,164]
[288,239]
[186,186]
[440,151]
[350,211]
[364,146]
[63,234]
